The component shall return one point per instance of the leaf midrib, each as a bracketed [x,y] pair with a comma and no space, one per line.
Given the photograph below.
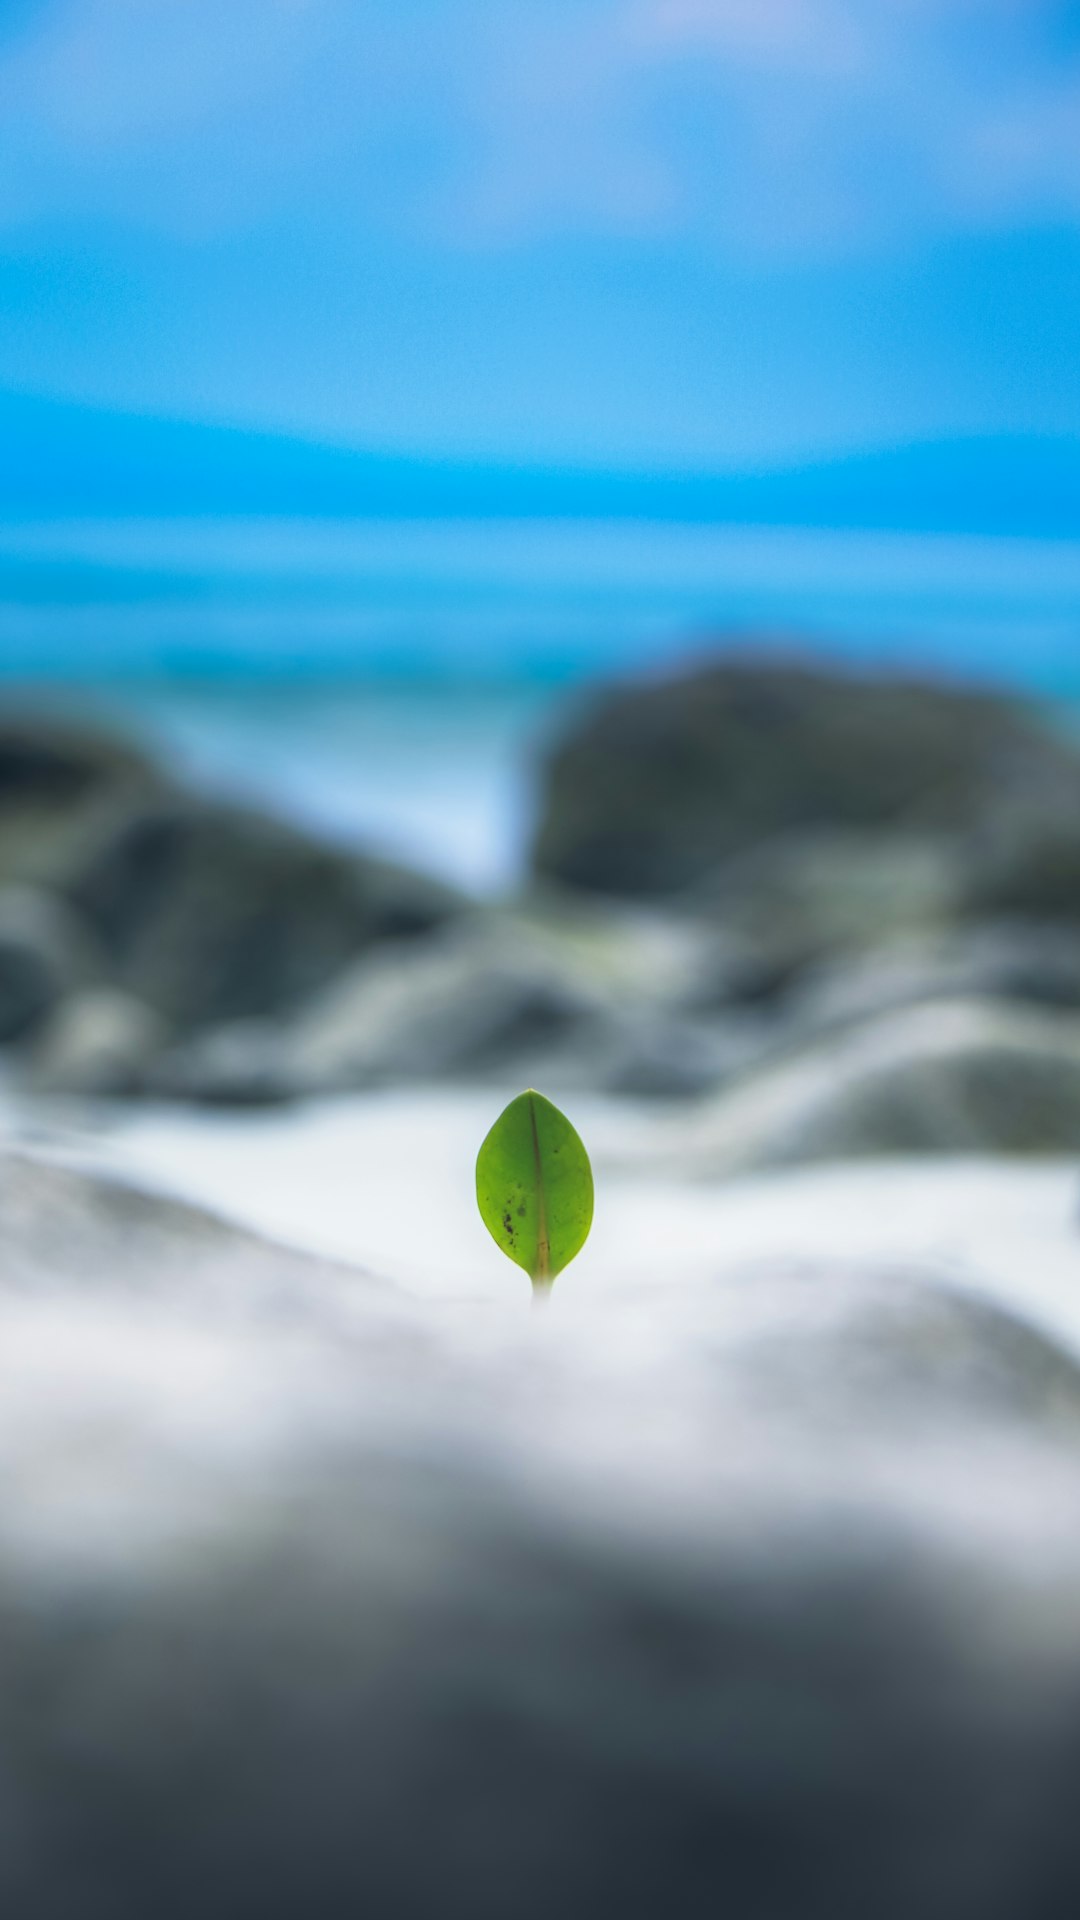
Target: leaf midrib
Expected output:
[542,1273]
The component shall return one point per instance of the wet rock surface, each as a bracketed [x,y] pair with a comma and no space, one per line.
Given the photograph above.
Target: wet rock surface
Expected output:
[45,953]
[53,779]
[101,1043]
[947,1076]
[760,1594]
[209,911]
[663,782]
[838,850]
[136,913]
[1027,866]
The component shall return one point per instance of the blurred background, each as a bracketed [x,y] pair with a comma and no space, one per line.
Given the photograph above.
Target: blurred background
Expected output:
[372,375]
[539,545]
[380,382]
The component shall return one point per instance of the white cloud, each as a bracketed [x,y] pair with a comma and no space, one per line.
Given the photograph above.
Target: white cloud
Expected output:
[767,33]
[761,127]
[769,127]
[105,73]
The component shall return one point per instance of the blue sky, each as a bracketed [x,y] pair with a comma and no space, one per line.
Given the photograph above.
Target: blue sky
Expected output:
[678,232]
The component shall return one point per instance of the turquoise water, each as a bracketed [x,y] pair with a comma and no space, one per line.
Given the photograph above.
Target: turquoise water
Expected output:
[206,598]
[440,775]
[397,684]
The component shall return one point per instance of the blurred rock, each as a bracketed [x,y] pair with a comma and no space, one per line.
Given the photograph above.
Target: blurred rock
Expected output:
[1026,864]
[113,1245]
[198,951]
[211,913]
[315,1601]
[99,1043]
[663,782]
[52,777]
[1032,964]
[503,1000]
[666,1060]
[630,950]
[658,1055]
[947,1077]
[792,902]
[46,762]
[246,1063]
[486,998]
[45,951]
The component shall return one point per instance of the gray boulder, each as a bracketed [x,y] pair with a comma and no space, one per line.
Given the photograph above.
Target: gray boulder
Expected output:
[312,1601]
[78,1233]
[245,1063]
[53,776]
[941,1077]
[45,952]
[1027,865]
[204,913]
[45,762]
[486,998]
[793,902]
[495,999]
[480,1000]
[1015,961]
[662,782]
[208,912]
[664,1056]
[99,1043]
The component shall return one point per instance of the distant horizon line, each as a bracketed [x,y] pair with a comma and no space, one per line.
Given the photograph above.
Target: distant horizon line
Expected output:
[63,459]
[637,465]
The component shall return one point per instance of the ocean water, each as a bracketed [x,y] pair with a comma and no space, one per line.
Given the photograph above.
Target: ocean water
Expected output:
[397,684]
[440,775]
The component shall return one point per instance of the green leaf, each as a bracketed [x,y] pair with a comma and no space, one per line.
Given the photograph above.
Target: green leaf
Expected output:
[534,1187]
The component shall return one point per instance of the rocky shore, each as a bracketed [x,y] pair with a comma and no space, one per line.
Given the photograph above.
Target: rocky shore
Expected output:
[752,1587]
[746,884]
[744,1578]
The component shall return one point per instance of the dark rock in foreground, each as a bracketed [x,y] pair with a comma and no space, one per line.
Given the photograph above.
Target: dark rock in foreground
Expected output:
[761,1599]
[65,1233]
[663,782]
